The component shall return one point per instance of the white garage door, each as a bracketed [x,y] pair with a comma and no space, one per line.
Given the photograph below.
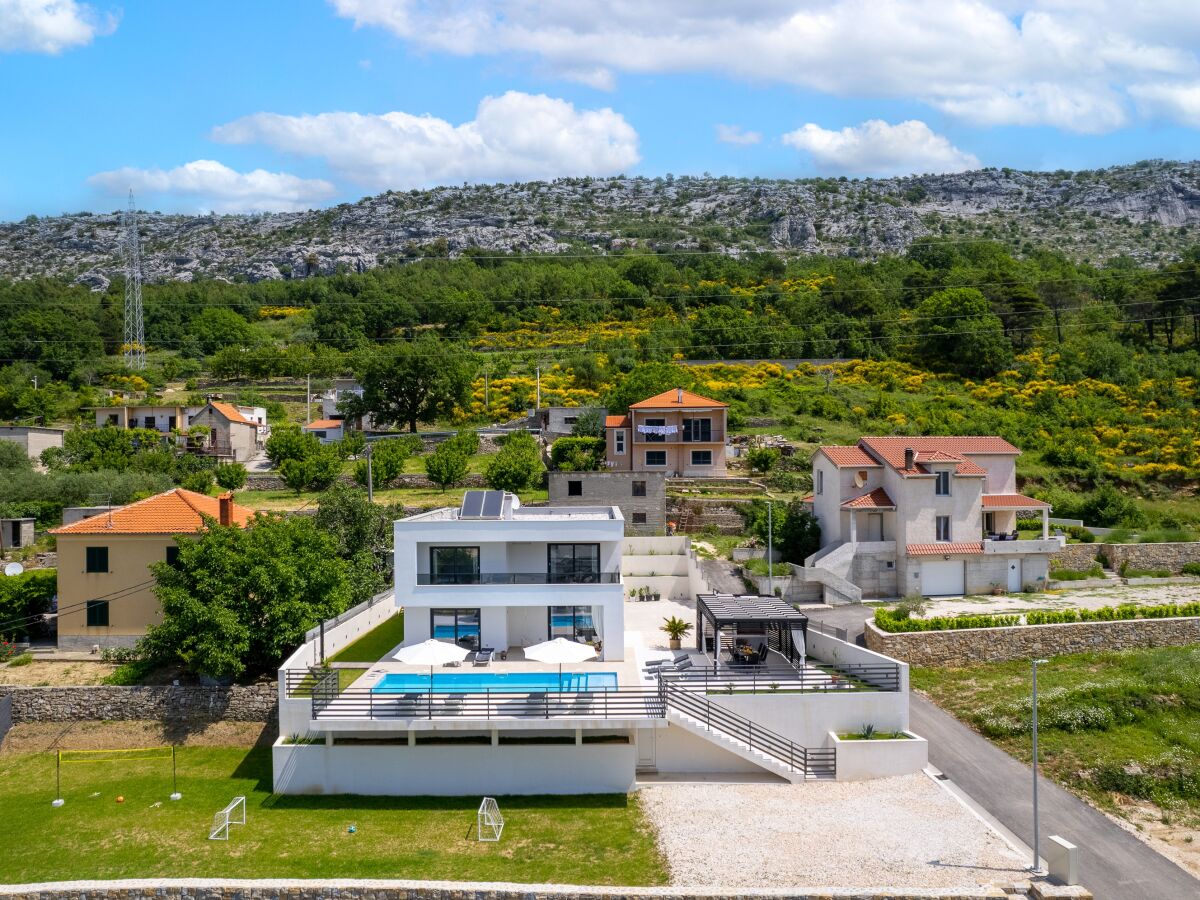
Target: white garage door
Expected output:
[942,577]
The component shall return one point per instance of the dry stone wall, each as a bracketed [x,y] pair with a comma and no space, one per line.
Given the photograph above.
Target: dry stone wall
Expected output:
[968,646]
[1075,556]
[182,703]
[1137,556]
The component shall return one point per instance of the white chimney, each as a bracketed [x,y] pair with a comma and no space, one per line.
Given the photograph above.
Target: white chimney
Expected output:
[679,396]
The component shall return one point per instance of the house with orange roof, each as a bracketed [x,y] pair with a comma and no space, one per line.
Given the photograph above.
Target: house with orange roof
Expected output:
[677,432]
[236,436]
[327,431]
[929,515]
[105,588]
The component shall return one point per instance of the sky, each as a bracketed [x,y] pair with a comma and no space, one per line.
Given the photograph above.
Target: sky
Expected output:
[267,105]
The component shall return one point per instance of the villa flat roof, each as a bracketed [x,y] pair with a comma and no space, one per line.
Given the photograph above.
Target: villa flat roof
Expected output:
[522,514]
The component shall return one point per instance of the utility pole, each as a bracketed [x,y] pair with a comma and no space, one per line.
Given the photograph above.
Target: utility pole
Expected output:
[770,551]
[307,399]
[370,477]
[134,349]
[487,403]
[539,387]
[35,378]
[1037,863]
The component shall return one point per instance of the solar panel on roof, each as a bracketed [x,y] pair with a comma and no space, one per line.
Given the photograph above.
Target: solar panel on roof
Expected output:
[472,504]
[493,504]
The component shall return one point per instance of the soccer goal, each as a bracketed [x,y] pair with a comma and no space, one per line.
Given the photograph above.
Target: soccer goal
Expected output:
[123,757]
[233,814]
[490,823]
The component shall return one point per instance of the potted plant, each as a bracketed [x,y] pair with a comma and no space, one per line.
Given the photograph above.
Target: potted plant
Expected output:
[642,592]
[676,628]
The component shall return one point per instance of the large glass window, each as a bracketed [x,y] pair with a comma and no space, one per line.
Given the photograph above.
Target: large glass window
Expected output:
[456,626]
[454,565]
[573,623]
[701,457]
[573,563]
[697,429]
[654,438]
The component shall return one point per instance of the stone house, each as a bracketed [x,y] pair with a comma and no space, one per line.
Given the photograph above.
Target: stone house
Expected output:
[641,496]
[105,590]
[929,515]
[234,436]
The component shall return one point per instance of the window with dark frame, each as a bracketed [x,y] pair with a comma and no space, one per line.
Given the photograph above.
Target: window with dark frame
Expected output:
[656,457]
[96,560]
[697,430]
[574,623]
[457,626]
[97,613]
[943,528]
[172,555]
[453,565]
[639,489]
[701,457]
[654,438]
[573,563]
[639,518]
[574,488]
[942,484]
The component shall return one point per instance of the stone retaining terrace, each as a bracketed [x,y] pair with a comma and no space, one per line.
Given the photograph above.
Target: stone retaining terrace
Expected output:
[183,703]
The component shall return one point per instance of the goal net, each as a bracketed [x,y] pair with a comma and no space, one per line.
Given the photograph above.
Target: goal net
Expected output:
[490,823]
[233,814]
[129,770]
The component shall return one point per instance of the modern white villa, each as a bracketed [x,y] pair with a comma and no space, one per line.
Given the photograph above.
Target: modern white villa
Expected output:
[934,515]
[757,694]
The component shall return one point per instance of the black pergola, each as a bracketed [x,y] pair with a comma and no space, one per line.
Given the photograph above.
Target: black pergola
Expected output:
[749,614]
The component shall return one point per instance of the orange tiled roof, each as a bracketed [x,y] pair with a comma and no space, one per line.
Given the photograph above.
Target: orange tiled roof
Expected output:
[325,423]
[177,511]
[671,400]
[938,456]
[876,499]
[942,548]
[891,450]
[1012,501]
[229,411]
[616,421]
[850,457]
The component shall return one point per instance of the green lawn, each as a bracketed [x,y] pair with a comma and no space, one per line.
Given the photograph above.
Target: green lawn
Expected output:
[371,646]
[346,677]
[425,498]
[600,839]
[1110,724]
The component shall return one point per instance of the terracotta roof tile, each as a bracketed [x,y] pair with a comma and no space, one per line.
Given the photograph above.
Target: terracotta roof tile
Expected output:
[325,423]
[671,400]
[876,499]
[850,457]
[229,411]
[616,421]
[891,449]
[1012,501]
[942,548]
[177,511]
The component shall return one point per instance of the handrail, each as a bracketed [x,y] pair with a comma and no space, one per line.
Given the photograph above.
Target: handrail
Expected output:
[797,758]
[427,578]
[487,704]
[756,680]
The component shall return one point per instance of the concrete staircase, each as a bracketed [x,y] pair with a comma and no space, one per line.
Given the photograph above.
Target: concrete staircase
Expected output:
[830,567]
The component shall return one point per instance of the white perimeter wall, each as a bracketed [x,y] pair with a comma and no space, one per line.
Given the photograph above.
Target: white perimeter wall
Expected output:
[448,771]
[831,650]
[678,751]
[807,719]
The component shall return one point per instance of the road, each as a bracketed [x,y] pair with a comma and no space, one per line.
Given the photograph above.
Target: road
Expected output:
[1113,863]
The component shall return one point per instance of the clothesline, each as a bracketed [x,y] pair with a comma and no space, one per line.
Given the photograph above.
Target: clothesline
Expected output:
[658,429]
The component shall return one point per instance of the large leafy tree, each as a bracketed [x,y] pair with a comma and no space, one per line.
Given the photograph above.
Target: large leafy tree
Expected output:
[956,330]
[517,466]
[406,382]
[362,533]
[645,381]
[236,601]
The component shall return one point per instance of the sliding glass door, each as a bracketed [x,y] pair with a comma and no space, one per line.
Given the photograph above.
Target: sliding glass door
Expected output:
[456,626]
[574,623]
[573,563]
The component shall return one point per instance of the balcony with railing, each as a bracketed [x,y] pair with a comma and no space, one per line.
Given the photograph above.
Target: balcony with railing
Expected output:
[464,578]
[713,436]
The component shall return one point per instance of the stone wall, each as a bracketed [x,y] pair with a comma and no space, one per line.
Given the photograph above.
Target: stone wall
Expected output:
[968,646]
[351,889]
[1138,556]
[186,703]
[616,489]
[695,515]
[1075,556]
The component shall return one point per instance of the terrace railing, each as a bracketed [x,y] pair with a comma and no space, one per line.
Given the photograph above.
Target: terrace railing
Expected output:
[815,762]
[520,578]
[363,703]
[764,680]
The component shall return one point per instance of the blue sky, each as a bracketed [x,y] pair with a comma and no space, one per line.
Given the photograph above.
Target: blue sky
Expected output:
[291,104]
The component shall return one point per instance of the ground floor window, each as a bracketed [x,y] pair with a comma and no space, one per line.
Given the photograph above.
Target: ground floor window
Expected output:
[456,626]
[573,623]
[97,613]
[639,518]
[701,457]
[656,457]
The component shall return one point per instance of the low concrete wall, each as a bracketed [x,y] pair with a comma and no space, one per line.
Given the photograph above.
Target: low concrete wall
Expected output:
[967,646]
[186,703]
[808,718]
[880,758]
[447,770]
[357,889]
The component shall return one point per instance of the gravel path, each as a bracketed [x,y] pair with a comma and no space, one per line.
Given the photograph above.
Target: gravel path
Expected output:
[1085,598]
[904,832]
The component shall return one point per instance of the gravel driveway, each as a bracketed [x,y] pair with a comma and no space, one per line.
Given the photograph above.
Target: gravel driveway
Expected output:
[1084,598]
[904,832]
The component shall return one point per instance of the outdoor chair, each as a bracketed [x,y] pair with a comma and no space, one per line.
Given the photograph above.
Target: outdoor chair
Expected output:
[483,656]
[656,663]
[762,653]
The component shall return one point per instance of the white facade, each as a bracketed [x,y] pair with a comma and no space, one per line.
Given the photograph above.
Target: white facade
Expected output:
[507,577]
[930,515]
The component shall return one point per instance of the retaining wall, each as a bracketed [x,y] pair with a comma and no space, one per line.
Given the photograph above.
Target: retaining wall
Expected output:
[967,646]
[1137,556]
[183,703]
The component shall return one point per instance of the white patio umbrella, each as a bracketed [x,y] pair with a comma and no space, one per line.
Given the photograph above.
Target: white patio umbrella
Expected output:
[431,653]
[560,651]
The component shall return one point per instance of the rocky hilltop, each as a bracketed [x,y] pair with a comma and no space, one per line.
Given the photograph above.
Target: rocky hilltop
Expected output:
[1148,211]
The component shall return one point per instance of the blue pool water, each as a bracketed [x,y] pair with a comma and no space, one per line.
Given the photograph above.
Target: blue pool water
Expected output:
[511,682]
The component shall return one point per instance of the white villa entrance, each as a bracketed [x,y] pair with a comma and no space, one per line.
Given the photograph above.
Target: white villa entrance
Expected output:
[943,577]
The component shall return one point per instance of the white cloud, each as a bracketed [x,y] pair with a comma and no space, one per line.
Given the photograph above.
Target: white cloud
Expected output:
[514,137]
[1065,63]
[877,148]
[209,185]
[1179,102]
[49,26]
[733,134]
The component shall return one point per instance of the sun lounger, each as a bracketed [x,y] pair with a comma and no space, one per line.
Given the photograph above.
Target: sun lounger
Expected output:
[656,663]
[483,656]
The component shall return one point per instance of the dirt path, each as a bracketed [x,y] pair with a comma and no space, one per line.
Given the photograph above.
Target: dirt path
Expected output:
[38,736]
[40,673]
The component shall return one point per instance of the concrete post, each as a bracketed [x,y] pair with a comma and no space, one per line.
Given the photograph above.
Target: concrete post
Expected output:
[1045,523]
[1062,860]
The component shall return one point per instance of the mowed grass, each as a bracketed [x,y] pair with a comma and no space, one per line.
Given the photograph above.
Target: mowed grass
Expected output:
[599,839]
[375,643]
[1110,725]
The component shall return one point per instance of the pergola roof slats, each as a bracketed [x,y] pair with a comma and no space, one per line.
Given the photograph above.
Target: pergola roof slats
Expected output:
[726,609]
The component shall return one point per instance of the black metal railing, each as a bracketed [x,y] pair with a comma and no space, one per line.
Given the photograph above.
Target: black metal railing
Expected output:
[816,762]
[765,680]
[616,703]
[519,578]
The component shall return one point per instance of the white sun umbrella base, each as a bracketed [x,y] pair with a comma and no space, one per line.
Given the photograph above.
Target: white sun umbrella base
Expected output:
[560,651]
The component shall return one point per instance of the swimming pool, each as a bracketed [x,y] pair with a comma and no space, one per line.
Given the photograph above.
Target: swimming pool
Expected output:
[496,682]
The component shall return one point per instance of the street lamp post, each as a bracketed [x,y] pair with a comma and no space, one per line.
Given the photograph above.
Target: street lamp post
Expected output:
[1037,866]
